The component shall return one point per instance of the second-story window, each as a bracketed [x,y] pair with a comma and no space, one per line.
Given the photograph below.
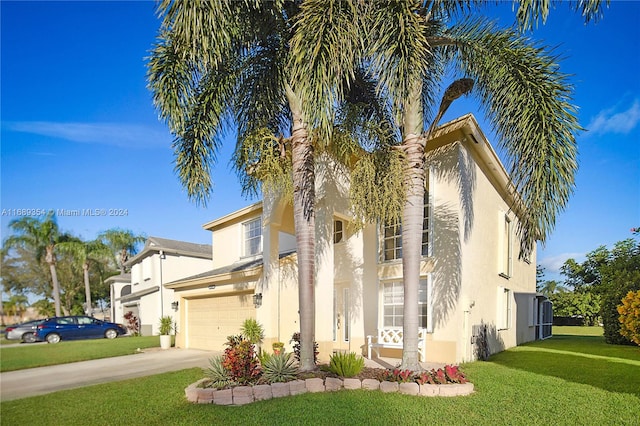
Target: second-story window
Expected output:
[252,237]
[392,235]
[337,231]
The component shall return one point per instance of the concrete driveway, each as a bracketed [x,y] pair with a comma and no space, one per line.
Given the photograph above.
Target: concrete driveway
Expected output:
[43,380]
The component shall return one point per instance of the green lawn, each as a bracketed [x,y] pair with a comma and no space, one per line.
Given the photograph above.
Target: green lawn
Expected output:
[29,355]
[561,381]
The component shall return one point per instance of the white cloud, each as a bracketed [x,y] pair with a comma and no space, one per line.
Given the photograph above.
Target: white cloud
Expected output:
[610,121]
[116,134]
[552,264]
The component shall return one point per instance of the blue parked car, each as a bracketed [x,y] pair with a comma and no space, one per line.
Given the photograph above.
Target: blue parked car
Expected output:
[77,327]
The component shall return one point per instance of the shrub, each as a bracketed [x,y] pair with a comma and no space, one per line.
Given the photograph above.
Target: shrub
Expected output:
[133,325]
[295,339]
[240,361]
[630,316]
[454,375]
[346,364]
[278,368]
[397,375]
[217,374]
[166,325]
[253,331]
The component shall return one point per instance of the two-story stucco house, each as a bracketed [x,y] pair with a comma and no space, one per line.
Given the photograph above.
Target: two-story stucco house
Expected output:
[475,287]
[142,291]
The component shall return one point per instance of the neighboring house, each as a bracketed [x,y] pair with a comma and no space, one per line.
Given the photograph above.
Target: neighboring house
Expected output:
[477,297]
[142,291]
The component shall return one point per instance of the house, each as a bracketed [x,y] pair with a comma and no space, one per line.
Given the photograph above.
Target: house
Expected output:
[142,292]
[477,295]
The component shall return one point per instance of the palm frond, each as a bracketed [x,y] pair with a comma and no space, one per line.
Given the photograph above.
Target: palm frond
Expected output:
[528,101]
[531,12]
[325,49]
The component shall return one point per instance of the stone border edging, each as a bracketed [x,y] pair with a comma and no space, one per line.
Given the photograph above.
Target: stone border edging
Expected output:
[241,395]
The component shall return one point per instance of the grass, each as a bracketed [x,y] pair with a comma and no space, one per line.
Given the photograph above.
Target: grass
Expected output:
[561,381]
[37,355]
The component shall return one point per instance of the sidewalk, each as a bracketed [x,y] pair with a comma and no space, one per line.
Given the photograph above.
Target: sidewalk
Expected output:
[43,380]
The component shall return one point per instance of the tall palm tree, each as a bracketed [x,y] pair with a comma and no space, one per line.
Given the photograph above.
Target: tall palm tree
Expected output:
[122,243]
[85,253]
[228,65]
[39,237]
[409,46]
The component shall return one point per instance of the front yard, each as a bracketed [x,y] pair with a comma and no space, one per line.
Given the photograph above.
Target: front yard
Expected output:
[566,380]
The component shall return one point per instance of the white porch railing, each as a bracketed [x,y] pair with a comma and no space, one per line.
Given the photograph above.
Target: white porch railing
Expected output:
[391,338]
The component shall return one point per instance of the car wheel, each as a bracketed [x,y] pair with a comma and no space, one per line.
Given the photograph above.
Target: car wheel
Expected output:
[53,338]
[28,337]
[111,334]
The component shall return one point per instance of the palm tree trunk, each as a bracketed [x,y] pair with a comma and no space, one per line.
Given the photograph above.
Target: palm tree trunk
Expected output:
[412,219]
[87,289]
[304,220]
[50,258]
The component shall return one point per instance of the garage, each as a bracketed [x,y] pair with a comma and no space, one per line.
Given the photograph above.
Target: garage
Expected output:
[209,320]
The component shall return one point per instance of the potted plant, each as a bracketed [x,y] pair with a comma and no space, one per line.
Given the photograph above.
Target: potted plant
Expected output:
[277,347]
[166,326]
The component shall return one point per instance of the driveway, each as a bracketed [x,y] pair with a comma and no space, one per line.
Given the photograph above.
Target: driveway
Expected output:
[43,380]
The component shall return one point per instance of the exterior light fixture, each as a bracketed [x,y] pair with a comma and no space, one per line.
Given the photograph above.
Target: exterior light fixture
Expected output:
[174,305]
[212,287]
[257,300]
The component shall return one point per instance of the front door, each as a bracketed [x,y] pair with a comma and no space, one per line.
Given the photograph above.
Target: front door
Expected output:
[341,317]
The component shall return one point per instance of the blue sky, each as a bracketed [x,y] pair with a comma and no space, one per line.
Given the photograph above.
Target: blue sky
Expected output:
[79,131]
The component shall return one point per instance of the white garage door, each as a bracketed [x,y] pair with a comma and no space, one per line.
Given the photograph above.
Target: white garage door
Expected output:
[210,320]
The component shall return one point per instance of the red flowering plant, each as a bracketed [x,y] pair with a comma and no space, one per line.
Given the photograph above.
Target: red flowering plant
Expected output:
[454,375]
[397,375]
[450,374]
[240,360]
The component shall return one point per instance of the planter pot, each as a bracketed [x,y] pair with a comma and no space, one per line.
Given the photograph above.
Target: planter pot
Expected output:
[165,341]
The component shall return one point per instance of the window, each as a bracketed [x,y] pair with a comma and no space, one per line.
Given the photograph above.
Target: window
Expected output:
[507,248]
[338,232]
[252,237]
[393,304]
[392,235]
[503,320]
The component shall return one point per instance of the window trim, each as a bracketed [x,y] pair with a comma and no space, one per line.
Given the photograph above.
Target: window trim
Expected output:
[246,238]
[504,311]
[506,253]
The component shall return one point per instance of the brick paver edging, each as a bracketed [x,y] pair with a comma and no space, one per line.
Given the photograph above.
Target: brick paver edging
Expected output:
[241,395]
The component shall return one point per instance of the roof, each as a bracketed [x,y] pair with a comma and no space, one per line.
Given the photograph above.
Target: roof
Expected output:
[138,294]
[183,248]
[237,267]
[119,278]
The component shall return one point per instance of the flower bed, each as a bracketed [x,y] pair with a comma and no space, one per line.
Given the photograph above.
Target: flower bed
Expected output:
[241,395]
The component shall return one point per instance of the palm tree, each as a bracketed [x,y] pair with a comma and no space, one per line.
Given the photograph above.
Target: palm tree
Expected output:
[408,46]
[39,237]
[17,304]
[85,253]
[122,243]
[228,64]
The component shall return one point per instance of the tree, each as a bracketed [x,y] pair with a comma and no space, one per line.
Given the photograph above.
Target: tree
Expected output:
[551,287]
[610,274]
[408,46]
[16,305]
[123,244]
[576,304]
[229,65]
[86,253]
[39,237]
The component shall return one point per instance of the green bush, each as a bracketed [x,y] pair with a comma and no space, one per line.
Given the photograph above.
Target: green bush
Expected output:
[278,368]
[346,364]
